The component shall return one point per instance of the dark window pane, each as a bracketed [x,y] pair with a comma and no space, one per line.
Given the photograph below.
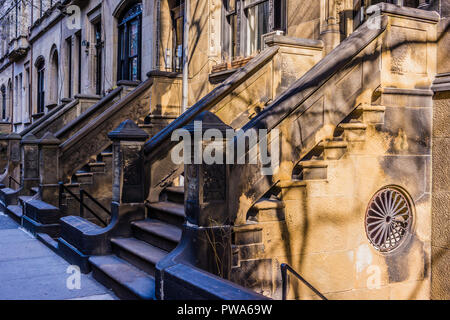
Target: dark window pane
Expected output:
[279,15]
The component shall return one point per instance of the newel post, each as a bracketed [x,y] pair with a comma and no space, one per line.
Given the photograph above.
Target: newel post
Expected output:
[128,181]
[49,168]
[13,157]
[128,174]
[30,162]
[206,205]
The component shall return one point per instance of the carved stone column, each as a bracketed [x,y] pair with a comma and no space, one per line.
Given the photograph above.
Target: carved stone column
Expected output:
[49,168]
[30,162]
[128,175]
[206,237]
[330,34]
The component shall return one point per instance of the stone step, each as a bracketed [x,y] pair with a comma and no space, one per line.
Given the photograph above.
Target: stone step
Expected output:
[74,229]
[170,212]
[354,131]
[157,233]
[106,154]
[174,194]
[15,212]
[267,210]
[334,149]
[139,253]
[124,279]
[314,169]
[372,114]
[48,241]
[84,177]
[24,199]
[8,196]
[42,212]
[36,227]
[97,167]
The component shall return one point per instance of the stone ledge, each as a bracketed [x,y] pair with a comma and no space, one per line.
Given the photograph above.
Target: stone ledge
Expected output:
[441,83]
[276,39]
[431,16]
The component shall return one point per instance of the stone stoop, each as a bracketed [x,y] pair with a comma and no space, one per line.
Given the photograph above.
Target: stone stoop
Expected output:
[130,267]
[94,174]
[249,266]
[40,217]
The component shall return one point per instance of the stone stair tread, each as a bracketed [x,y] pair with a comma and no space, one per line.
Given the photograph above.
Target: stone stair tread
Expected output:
[106,154]
[39,204]
[96,164]
[79,223]
[314,163]
[135,280]
[372,107]
[178,189]
[83,173]
[159,228]
[265,203]
[8,191]
[26,198]
[353,125]
[16,210]
[170,207]
[141,249]
[335,144]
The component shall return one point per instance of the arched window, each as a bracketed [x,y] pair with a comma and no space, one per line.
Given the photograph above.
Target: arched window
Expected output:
[129,66]
[40,67]
[3,92]
[177,15]
[54,76]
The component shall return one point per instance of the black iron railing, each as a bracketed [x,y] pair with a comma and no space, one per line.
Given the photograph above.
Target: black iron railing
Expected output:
[80,200]
[12,179]
[284,278]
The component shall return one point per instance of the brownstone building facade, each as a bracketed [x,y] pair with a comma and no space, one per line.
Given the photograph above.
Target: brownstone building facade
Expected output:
[352,93]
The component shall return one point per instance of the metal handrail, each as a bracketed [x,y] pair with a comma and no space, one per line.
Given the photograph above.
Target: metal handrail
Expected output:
[80,200]
[12,178]
[284,278]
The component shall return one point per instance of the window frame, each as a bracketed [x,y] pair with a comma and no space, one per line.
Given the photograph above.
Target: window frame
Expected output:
[241,32]
[4,103]
[40,103]
[124,65]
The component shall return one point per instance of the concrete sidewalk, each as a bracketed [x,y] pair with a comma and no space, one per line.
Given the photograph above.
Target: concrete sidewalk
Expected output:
[31,271]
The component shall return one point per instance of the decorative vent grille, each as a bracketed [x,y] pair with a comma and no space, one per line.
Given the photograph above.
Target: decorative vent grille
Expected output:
[388,219]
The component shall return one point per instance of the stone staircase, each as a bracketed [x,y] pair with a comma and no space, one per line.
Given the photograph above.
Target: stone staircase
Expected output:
[62,123]
[94,178]
[130,269]
[252,257]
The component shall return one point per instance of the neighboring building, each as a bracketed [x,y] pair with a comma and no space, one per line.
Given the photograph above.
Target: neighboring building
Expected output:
[373,130]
